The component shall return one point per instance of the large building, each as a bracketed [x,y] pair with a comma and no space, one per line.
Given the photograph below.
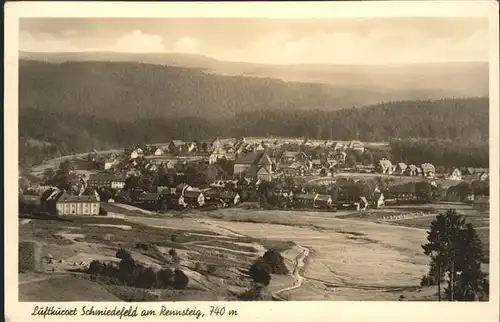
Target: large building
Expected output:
[106,181]
[249,164]
[77,205]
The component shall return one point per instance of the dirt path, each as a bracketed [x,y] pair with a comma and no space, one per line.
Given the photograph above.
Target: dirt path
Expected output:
[298,279]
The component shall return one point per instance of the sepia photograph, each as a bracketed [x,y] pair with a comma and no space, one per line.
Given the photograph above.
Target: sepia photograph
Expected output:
[254,159]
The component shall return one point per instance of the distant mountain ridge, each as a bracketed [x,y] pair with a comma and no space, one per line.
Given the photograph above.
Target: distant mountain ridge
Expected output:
[457,79]
[123,90]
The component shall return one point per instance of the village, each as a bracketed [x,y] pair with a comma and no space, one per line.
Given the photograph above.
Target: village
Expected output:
[278,173]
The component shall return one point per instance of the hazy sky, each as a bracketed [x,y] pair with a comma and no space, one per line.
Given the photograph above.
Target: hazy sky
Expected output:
[273,41]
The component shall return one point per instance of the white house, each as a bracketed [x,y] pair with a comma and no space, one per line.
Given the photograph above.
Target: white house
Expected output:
[455,174]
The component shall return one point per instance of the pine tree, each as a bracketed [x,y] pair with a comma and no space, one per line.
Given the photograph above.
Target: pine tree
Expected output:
[471,283]
[455,250]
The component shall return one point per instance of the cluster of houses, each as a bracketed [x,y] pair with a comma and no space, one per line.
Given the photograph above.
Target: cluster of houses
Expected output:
[268,160]
[252,163]
[428,170]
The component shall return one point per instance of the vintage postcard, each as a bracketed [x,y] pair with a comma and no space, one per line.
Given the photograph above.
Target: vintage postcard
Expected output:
[208,160]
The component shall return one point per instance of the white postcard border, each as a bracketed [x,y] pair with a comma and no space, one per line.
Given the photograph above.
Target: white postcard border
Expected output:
[307,310]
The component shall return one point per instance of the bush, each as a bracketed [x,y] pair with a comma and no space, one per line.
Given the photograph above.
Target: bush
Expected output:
[95,268]
[110,269]
[142,246]
[165,278]
[260,272]
[173,238]
[146,278]
[252,294]
[180,280]
[172,252]
[123,254]
[211,268]
[198,267]
[426,281]
[276,262]
[134,274]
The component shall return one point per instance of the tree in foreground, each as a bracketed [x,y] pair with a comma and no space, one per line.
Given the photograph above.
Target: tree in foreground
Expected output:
[456,251]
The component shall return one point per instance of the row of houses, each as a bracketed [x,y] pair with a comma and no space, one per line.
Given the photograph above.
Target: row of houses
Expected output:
[185,196]
[429,170]
[324,201]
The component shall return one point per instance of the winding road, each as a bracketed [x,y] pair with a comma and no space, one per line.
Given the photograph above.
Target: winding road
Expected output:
[298,279]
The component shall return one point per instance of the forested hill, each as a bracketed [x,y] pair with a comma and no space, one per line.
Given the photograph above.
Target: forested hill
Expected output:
[129,91]
[463,121]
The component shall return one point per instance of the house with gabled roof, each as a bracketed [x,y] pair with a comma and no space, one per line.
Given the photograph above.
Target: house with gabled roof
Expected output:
[151,201]
[323,201]
[401,168]
[339,146]
[378,199]
[250,163]
[304,200]
[411,170]
[194,198]
[384,166]
[340,156]
[482,175]
[428,170]
[264,174]
[356,146]
[307,142]
[175,146]
[289,157]
[158,152]
[455,174]
[230,198]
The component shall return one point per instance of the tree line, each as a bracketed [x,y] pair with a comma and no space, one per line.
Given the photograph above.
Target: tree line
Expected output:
[460,127]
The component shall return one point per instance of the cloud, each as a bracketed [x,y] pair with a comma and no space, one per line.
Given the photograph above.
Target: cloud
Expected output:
[70,32]
[138,42]
[382,44]
[45,42]
[187,45]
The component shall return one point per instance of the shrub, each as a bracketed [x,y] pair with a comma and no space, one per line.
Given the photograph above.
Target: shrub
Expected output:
[276,262]
[142,246]
[165,278]
[146,278]
[110,269]
[211,268]
[252,294]
[180,280]
[426,281]
[95,268]
[260,272]
[172,252]
[123,254]
[198,267]
[173,238]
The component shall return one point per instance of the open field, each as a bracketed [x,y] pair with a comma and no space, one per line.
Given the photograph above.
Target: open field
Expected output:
[62,288]
[480,220]
[351,255]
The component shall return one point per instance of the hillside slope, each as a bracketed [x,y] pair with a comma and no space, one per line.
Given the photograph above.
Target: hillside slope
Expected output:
[436,80]
[463,121]
[129,91]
